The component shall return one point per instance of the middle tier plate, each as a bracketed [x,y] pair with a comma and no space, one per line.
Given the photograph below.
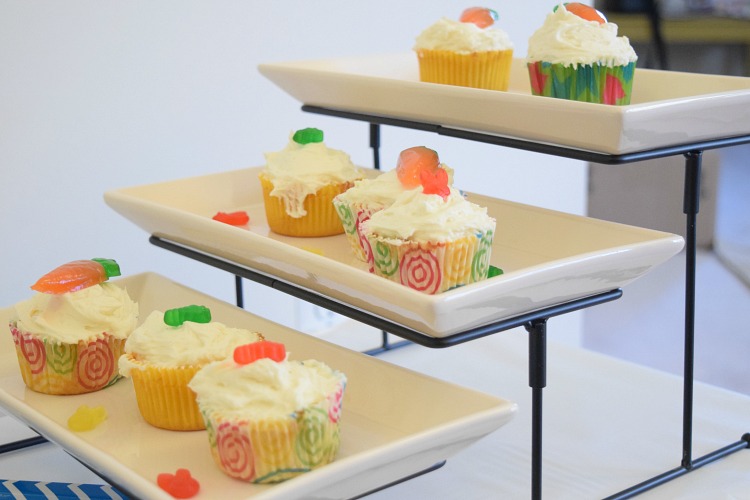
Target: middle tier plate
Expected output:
[548,257]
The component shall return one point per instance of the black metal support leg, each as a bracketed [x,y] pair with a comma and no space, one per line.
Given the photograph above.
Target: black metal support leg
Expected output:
[238,291]
[537,381]
[691,206]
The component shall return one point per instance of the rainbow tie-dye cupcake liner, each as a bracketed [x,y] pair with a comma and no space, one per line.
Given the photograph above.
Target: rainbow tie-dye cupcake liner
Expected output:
[594,83]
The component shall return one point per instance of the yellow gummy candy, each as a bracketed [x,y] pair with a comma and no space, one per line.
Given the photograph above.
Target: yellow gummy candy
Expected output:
[86,418]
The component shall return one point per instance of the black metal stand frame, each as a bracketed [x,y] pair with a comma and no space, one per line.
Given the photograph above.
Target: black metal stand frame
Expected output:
[692,152]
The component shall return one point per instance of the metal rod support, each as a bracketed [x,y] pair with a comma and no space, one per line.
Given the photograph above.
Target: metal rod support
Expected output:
[537,381]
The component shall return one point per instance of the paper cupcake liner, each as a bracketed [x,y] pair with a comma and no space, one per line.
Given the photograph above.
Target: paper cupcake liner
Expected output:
[274,450]
[64,368]
[484,70]
[588,83]
[163,396]
[321,218]
[352,215]
[432,267]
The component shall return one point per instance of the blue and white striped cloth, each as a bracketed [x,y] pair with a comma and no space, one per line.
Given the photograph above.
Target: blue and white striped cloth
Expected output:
[35,490]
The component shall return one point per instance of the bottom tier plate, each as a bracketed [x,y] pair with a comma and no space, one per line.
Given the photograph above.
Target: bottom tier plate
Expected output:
[395,423]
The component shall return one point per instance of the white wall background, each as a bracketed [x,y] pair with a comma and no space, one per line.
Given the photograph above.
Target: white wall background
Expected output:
[97,95]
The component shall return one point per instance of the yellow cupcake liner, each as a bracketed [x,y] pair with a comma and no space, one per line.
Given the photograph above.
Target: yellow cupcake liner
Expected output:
[276,449]
[432,267]
[164,398]
[484,70]
[61,368]
[321,218]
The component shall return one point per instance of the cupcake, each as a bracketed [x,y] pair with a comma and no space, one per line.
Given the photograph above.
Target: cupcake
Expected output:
[270,418]
[69,335]
[300,182]
[470,52]
[431,239]
[368,196]
[163,354]
[577,55]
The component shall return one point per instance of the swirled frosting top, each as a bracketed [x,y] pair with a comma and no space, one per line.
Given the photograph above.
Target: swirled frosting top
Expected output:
[567,39]
[463,38]
[264,388]
[80,315]
[156,343]
[428,217]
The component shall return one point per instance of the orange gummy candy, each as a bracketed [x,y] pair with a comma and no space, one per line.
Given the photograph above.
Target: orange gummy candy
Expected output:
[481,16]
[411,163]
[76,275]
[86,418]
[585,12]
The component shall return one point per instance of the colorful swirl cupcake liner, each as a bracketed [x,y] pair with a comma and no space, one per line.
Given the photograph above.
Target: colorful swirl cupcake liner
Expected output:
[61,368]
[578,82]
[274,450]
[321,218]
[164,398]
[352,216]
[432,267]
[484,70]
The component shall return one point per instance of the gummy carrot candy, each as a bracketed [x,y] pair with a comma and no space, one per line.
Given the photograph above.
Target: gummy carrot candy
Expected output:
[239,218]
[247,353]
[77,275]
[180,485]
[584,12]
[435,182]
[196,314]
[412,161]
[86,418]
[481,16]
[308,135]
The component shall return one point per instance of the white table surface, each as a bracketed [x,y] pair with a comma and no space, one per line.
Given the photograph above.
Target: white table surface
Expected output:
[608,425]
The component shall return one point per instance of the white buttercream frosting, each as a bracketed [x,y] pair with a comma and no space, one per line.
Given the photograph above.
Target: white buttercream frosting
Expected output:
[567,39]
[264,388]
[80,315]
[299,170]
[428,217]
[158,344]
[463,38]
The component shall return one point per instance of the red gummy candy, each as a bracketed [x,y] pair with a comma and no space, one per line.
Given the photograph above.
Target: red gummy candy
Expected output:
[585,12]
[246,354]
[481,16]
[180,485]
[239,218]
[435,182]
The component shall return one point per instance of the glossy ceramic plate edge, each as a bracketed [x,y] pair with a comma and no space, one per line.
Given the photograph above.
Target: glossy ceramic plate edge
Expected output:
[663,113]
[445,435]
[434,315]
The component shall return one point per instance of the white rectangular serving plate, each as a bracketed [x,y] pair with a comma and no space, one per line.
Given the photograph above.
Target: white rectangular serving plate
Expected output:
[548,257]
[395,422]
[667,108]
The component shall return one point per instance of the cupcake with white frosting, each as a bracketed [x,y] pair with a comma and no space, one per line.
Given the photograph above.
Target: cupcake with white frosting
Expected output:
[69,335]
[163,354]
[300,182]
[270,418]
[469,52]
[368,196]
[577,55]
[431,239]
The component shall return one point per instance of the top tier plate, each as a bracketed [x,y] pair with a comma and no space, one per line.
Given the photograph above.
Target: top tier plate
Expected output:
[668,108]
